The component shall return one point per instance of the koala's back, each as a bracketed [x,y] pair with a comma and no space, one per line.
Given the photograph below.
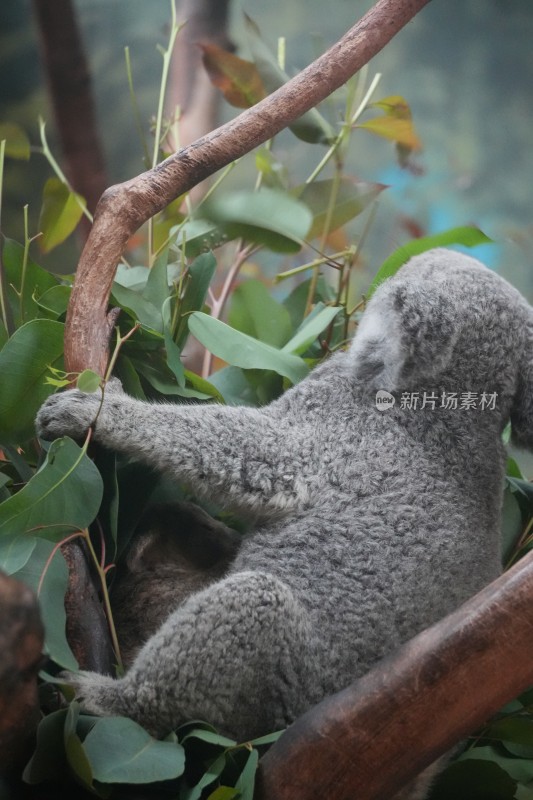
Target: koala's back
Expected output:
[395,533]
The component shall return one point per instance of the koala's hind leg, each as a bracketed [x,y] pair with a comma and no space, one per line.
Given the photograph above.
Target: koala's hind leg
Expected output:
[238,654]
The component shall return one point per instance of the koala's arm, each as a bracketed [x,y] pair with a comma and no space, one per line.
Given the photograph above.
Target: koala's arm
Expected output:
[244,458]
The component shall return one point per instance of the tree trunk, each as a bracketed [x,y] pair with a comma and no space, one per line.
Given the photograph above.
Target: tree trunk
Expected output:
[69,83]
[21,643]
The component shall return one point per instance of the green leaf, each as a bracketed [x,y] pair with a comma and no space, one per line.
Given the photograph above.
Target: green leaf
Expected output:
[474,780]
[17,142]
[254,311]
[196,236]
[312,326]
[352,198]
[246,781]
[24,362]
[26,285]
[140,308]
[224,793]
[234,387]
[74,750]
[120,751]
[511,524]
[199,276]
[65,492]
[520,769]
[513,729]
[269,217]
[466,236]
[311,127]
[60,213]
[156,289]
[202,386]
[243,351]
[51,598]
[15,551]
[88,381]
[55,300]
[212,773]
[48,762]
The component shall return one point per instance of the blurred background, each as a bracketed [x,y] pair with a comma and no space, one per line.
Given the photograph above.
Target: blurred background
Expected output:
[464,66]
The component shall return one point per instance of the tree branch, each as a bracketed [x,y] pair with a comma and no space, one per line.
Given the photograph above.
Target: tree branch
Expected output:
[21,642]
[369,740]
[124,207]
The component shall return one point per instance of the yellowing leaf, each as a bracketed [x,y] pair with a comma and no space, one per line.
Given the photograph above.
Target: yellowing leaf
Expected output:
[237,79]
[17,143]
[60,213]
[394,106]
[398,130]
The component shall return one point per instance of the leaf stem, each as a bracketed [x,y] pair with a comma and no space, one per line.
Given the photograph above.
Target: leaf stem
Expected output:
[4,309]
[59,172]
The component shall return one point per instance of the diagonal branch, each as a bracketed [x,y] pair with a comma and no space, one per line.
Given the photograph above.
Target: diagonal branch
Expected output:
[123,208]
[370,739]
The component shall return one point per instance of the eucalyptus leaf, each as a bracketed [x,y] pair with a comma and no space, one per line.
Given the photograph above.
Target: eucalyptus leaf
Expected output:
[66,492]
[55,300]
[47,570]
[24,363]
[17,142]
[310,329]
[199,276]
[76,756]
[140,308]
[26,282]
[241,350]
[254,311]
[311,127]
[465,236]
[196,236]
[269,217]
[120,751]
[48,761]
[60,213]
[351,199]
[246,781]
[88,381]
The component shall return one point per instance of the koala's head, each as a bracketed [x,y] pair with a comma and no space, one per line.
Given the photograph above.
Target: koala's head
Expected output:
[446,321]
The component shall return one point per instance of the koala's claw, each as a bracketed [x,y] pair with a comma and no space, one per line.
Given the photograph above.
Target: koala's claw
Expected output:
[70,413]
[95,692]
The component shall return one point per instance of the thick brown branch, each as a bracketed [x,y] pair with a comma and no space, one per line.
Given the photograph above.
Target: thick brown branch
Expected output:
[124,207]
[414,706]
[21,643]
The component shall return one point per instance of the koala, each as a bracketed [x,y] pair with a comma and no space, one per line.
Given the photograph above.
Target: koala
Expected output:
[370,522]
[177,550]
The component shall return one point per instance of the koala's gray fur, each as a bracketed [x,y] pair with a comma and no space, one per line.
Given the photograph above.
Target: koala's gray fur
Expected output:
[369,525]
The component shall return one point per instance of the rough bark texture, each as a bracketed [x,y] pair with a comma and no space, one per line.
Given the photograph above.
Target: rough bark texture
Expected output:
[370,739]
[124,207]
[21,642]
[69,84]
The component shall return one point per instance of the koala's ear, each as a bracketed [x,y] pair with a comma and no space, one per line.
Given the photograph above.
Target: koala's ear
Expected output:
[407,335]
[522,408]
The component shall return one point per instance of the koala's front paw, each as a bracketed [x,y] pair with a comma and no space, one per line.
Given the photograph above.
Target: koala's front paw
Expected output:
[69,413]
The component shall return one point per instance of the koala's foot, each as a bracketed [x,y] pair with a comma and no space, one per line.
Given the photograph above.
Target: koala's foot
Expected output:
[108,697]
[69,413]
